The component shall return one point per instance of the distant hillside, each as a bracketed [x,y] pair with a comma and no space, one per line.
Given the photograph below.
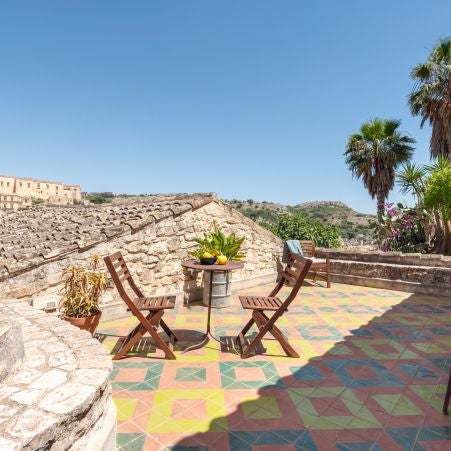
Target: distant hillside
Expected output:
[352,225]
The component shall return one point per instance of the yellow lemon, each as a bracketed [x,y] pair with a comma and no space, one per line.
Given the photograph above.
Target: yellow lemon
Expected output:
[207,255]
[222,260]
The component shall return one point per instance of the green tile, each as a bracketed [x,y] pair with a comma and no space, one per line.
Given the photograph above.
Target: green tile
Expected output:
[130,442]
[191,374]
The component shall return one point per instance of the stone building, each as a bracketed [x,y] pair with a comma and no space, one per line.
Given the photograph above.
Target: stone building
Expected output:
[153,233]
[26,188]
[13,202]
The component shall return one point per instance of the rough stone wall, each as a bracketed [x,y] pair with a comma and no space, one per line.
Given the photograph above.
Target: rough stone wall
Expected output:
[61,394]
[154,253]
[417,273]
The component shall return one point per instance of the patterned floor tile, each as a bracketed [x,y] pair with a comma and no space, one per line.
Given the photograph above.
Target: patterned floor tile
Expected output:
[372,375]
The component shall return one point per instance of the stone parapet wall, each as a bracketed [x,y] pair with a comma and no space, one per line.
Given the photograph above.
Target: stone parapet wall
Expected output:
[417,273]
[396,258]
[60,398]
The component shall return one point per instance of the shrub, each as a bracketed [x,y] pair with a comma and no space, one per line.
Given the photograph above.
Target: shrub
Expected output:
[299,227]
[402,228]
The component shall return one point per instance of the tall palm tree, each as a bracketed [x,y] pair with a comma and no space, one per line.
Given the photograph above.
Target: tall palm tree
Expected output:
[431,96]
[375,153]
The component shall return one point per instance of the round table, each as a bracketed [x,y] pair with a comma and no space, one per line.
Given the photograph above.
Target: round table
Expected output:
[196,266]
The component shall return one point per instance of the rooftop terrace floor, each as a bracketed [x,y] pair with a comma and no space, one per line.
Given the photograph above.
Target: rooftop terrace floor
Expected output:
[372,376]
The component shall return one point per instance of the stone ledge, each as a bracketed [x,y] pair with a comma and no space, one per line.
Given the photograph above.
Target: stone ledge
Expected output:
[415,273]
[397,258]
[11,349]
[61,392]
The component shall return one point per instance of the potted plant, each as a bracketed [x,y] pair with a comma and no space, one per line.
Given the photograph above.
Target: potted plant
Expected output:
[81,294]
[216,247]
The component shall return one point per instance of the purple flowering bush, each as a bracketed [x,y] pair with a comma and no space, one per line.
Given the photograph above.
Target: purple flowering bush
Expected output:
[402,229]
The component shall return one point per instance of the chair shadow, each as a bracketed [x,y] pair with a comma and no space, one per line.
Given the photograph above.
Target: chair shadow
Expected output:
[146,347]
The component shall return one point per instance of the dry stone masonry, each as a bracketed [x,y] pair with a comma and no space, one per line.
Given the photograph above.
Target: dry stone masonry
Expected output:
[153,233]
[58,395]
[416,273]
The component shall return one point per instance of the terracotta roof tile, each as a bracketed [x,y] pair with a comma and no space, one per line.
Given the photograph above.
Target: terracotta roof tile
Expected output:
[31,237]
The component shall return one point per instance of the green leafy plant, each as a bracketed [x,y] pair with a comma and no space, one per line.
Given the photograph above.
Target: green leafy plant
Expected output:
[82,289]
[299,227]
[217,243]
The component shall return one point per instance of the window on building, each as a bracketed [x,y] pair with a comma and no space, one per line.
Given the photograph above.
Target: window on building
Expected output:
[20,184]
[47,185]
[7,183]
[29,185]
[1,183]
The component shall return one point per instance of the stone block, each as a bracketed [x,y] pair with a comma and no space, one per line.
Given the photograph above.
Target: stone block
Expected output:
[70,398]
[49,380]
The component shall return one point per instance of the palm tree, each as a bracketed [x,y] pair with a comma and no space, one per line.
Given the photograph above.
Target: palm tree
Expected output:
[431,96]
[410,178]
[375,153]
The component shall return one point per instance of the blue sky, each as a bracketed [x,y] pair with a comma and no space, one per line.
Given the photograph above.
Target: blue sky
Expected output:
[250,99]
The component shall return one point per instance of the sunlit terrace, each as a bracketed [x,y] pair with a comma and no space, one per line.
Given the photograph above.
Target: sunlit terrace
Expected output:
[372,375]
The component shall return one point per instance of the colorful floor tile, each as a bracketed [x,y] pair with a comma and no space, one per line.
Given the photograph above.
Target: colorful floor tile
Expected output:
[371,375]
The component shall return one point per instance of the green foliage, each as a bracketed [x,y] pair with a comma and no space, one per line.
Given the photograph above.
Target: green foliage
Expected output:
[98,199]
[217,243]
[438,192]
[82,289]
[402,228]
[299,227]
[37,201]
[374,153]
[430,97]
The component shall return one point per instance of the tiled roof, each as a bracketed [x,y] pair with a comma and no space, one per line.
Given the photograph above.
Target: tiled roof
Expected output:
[34,236]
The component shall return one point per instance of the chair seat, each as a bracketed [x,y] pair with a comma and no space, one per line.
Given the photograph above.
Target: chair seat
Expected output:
[260,303]
[155,303]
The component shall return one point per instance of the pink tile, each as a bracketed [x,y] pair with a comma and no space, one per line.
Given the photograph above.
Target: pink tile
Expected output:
[188,409]
[244,374]
[131,375]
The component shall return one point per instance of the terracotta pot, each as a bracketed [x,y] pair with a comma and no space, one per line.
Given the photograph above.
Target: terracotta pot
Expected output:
[88,323]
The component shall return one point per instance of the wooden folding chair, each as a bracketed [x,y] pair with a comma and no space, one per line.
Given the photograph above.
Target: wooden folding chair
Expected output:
[320,266]
[294,274]
[155,305]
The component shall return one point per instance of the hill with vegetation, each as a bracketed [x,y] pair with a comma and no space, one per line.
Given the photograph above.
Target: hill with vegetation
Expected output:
[351,224]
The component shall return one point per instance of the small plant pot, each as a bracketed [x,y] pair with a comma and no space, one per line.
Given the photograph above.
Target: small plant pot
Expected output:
[88,323]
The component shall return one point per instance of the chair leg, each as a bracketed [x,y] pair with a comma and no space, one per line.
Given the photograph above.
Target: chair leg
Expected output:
[280,337]
[247,327]
[253,344]
[447,396]
[168,331]
[132,338]
[328,272]
[152,327]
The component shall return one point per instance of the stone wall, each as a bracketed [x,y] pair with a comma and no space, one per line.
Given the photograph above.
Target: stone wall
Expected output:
[60,396]
[416,273]
[154,253]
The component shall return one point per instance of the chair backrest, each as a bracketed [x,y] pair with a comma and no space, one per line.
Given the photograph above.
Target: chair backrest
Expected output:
[308,248]
[119,273]
[295,272]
